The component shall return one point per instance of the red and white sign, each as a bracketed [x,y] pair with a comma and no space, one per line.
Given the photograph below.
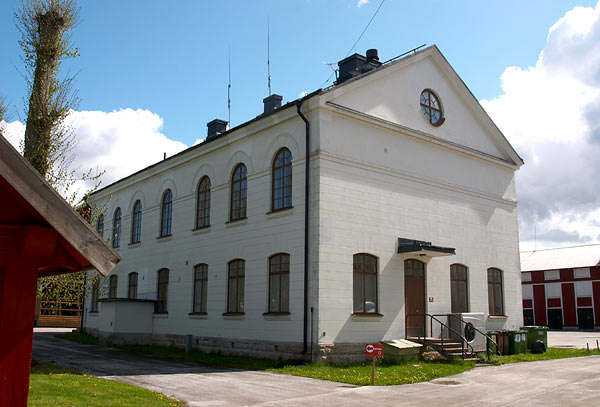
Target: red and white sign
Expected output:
[374,350]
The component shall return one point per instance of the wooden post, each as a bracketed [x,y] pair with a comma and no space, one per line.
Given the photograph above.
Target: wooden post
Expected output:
[373,373]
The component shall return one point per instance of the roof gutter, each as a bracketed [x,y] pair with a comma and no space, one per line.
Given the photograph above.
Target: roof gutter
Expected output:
[306,205]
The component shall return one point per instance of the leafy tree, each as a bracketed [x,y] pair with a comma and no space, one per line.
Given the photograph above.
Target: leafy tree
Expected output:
[45,27]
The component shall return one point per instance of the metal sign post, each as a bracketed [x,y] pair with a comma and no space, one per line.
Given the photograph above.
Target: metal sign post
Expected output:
[373,350]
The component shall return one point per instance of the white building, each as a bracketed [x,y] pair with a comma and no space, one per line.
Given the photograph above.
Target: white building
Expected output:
[401,154]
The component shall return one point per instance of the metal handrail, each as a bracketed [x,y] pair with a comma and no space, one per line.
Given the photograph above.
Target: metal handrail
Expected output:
[431,319]
[489,338]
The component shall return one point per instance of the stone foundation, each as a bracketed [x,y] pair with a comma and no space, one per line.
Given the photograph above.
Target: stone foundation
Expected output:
[341,353]
[227,346]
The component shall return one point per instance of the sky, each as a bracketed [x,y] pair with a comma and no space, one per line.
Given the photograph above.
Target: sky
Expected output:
[151,74]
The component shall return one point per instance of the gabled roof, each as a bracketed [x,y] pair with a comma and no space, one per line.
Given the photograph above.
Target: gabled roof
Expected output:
[561,258]
[35,204]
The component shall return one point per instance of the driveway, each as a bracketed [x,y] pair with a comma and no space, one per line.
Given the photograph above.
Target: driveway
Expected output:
[574,339]
[574,381]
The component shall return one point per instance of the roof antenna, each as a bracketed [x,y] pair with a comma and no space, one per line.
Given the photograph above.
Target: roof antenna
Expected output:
[268,56]
[229,89]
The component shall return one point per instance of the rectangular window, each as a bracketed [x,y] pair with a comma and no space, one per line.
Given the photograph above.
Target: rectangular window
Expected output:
[163,290]
[235,291]
[495,294]
[112,286]
[279,283]
[583,272]
[200,288]
[132,287]
[95,293]
[552,275]
[526,276]
[459,288]
[365,284]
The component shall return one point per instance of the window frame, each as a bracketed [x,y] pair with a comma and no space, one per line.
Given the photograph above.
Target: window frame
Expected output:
[203,203]
[493,300]
[455,282]
[363,274]
[238,205]
[282,308]
[162,291]
[166,213]
[132,286]
[95,293]
[428,107]
[100,226]
[136,222]
[285,200]
[201,281]
[117,224]
[240,265]
[113,284]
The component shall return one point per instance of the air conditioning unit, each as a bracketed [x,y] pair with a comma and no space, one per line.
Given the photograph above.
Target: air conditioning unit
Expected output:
[465,324]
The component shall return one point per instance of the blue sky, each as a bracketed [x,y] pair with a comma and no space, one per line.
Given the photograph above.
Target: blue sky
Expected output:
[152,73]
[171,57]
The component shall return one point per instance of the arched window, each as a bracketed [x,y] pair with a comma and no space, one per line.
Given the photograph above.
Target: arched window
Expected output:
[235,286]
[200,288]
[132,286]
[282,180]
[459,288]
[166,213]
[279,283]
[365,283]
[112,286]
[238,192]
[136,222]
[100,226]
[203,203]
[495,291]
[162,291]
[117,228]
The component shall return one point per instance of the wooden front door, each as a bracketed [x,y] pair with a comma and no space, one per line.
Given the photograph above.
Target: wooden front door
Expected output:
[414,296]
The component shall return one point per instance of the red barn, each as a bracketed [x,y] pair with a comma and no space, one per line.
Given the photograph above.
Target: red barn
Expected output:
[561,287]
[40,235]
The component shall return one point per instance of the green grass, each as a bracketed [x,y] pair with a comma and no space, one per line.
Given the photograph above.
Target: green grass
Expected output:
[385,374]
[211,359]
[79,337]
[551,353]
[51,385]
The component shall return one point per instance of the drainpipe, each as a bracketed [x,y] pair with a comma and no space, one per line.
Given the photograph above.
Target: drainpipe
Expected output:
[306,203]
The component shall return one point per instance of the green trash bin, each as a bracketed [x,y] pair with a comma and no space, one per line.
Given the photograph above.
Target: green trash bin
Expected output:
[536,333]
[491,346]
[517,342]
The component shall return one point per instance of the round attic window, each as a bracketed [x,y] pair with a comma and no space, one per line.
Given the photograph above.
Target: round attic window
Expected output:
[431,108]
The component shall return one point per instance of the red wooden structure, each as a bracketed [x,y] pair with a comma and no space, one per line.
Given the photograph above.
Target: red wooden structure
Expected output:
[40,235]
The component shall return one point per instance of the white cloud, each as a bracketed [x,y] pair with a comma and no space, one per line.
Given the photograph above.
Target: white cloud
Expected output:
[361,3]
[551,114]
[302,94]
[118,142]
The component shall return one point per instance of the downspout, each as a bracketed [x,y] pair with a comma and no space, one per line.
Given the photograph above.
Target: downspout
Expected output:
[306,204]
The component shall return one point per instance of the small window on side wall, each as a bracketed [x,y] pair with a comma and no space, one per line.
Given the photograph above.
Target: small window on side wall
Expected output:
[459,288]
[116,242]
[112,286]
[136,222]
[203,203]
[279,283]
[166,213]
[100,226]
[95,292]
[365,283]
[132,286]
[239,185]
[495,292]
[162,291]
[200,288]
[282,180]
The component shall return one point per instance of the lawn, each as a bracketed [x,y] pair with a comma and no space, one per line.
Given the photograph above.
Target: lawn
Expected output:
[385,374]
[51,385]
[551,353]
[79,337]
